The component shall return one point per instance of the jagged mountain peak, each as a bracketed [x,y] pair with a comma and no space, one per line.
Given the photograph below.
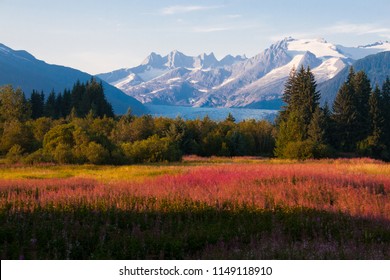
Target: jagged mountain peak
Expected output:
[153,59]
[237,81]
[205,61]
[207,56]
[376,44]
[177,59]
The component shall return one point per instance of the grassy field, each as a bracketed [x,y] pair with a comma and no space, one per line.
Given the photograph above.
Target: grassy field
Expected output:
[218,208]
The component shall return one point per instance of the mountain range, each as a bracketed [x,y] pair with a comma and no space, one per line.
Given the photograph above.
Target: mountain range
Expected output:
[203,80]
[237,81]
[21,69]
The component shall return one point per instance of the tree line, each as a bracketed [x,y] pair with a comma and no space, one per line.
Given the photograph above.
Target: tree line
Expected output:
[83,98]
[78,126]
[76,137]
[358,124]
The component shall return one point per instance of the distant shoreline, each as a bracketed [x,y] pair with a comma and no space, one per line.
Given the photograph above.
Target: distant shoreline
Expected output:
[216,114]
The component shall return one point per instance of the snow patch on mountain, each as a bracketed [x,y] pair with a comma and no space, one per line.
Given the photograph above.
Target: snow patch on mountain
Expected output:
[319,47]
[234,81]
[363,51]
[151,73]
[328,69]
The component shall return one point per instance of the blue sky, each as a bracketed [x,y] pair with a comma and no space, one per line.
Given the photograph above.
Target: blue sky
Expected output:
[99,36]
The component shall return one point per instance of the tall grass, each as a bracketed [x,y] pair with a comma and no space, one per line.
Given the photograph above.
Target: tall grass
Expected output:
[315,210]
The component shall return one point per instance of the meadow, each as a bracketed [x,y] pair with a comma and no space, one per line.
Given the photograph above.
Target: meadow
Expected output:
[216,208]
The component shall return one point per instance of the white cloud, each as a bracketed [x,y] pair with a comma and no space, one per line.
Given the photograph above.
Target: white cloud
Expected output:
[172,10]
[210,29]
[358,29]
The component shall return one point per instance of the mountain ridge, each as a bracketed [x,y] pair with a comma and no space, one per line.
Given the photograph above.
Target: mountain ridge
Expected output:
[22,69]
[203,81]
[376,66]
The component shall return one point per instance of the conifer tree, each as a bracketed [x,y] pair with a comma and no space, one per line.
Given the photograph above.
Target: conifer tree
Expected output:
[316,130]
[37,103]
[345,118]
[77,96]
[230,118]
[385,108]
[50,105]
[302,101]
[373,144]
[361,93]
[66,106]
[58,106]
[376,117]
[329,125]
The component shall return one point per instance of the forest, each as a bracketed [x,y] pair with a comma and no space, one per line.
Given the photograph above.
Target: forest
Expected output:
[78,126]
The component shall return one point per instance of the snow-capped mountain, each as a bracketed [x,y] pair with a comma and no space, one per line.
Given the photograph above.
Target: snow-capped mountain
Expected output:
[203,81]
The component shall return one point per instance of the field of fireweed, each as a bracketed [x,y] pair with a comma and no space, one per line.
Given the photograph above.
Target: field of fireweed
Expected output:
[199,209]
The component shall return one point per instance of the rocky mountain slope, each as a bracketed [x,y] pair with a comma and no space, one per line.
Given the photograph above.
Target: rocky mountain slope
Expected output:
[256,82]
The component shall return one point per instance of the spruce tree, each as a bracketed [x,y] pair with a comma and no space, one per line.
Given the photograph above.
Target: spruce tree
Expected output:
[37,103]
[361,92]
[329,125]
[345,118]
[289,88]
[66,106]
[374,145]
[375,116]
[50,105]
[58,106]
[316,130]
[308,96]
[385,108]
[302,101]
[77,95]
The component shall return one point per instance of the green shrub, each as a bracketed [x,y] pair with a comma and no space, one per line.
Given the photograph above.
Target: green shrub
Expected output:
[38,157]
[14,154]
[371,147]
[298,150]
[153,149]
[306,149]
[96,153]
[63,154]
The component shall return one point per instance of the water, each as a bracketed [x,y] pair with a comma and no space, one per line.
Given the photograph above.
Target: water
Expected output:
[217,114]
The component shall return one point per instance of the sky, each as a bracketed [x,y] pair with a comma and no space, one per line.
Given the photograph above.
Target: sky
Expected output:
[98,36]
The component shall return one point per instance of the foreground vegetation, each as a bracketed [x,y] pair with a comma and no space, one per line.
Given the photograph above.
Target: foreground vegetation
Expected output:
[241,208]
[78,127]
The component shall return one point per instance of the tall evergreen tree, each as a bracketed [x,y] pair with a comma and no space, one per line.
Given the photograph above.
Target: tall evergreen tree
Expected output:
[302,101]
[50,105]
[66,106]
[37,103]
[373,145]
[385,107]
[329,126]
[58,106]
[361,91]
[77,96]
[316,130]
[345,118]
[375,116]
